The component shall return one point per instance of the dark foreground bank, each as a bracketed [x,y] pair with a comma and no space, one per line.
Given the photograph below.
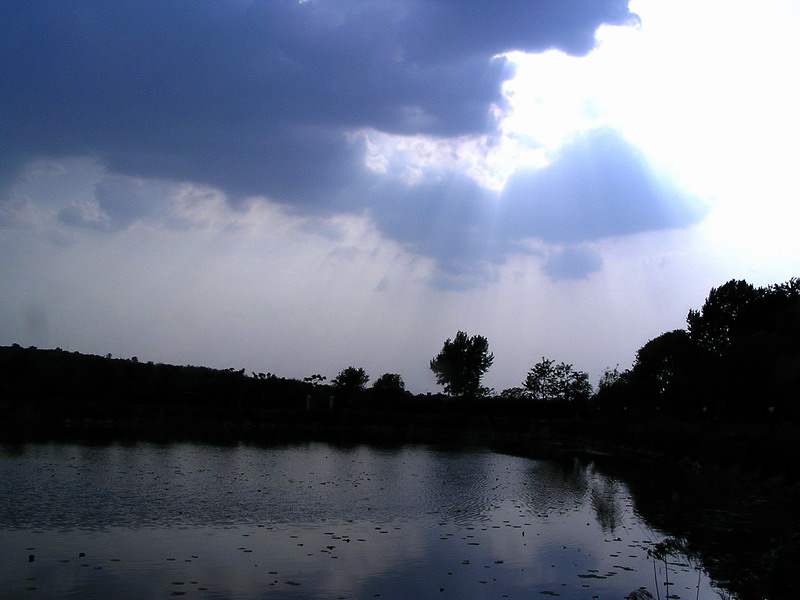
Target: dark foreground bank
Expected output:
[54,394]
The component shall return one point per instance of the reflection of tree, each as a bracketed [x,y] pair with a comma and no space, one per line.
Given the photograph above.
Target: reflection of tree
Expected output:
[606,503]
[671,548]
[745,537]
[551,485]
[461,486]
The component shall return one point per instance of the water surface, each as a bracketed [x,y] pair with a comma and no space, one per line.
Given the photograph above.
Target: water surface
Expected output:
[320,521]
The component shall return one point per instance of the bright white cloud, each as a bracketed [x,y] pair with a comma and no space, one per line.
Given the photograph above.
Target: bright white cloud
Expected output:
[706,91]
[419,158]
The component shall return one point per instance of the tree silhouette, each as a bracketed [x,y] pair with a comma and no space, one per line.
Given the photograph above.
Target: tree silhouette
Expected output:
[665,368]
[316,379]
[389,383]
[715,324]
[550,381]
[351,380]
[461,364]
[609,378]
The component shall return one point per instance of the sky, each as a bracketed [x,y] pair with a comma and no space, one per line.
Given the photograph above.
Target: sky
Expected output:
[296,187]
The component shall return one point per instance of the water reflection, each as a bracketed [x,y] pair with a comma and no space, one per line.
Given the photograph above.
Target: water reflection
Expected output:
[607,501]
[314,520]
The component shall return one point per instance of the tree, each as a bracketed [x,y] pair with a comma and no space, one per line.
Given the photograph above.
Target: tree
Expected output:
[615,391]
[665,370]
[715,324]
[389,383]
[514,394]
[749,337]
[608,379]
[316,379]
[461,364]
[549,381]
[351,380]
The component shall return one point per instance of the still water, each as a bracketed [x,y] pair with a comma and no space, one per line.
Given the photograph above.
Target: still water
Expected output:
[321,521]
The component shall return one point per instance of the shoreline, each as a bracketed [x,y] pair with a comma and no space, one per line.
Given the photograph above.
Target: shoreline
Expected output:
[765,453]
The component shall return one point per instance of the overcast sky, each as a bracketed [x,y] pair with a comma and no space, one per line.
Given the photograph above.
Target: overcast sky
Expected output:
[299,186]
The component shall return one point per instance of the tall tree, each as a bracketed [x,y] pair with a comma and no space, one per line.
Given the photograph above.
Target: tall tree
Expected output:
[715,324]
[665,364]
[461,364]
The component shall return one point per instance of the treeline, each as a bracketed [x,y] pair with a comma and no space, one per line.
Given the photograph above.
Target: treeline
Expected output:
[51,388]
[53,392]
[738,361]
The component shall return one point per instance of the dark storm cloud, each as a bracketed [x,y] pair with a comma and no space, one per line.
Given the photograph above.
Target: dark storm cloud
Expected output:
[254,97]
[600,186]
[257,98]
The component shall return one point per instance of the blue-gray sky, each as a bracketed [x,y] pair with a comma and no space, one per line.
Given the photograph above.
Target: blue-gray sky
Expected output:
[299,186]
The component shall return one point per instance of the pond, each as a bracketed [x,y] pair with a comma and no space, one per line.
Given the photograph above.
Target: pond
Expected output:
[315,520]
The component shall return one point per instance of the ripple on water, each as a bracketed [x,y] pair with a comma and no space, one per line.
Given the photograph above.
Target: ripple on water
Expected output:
[355,522]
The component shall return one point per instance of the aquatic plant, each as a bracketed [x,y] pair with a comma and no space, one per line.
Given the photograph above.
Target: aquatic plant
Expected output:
[639,594]
[661,552]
